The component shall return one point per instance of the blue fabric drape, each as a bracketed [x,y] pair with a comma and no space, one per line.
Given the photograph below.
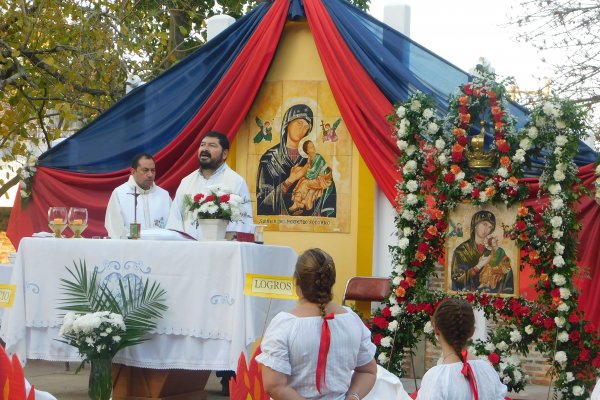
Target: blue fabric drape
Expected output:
[400,67]
[151,116]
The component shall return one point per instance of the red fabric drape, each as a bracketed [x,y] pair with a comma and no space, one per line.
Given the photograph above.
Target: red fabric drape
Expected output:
[225,110]
[361,103]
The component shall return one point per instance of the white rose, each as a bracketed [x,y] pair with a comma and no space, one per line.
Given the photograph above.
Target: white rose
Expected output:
[393,300]
[403,243]
[503,172]
[412,186]
[557,203]
[559,249]
[578,390]
[563,336]
[440,144]
[409,167]
[565,293]
[382,358]
[556,221]
[558,151]
[506,380]
[427,113]
[395,310]
[515,336]
[460,176]
[407,231]
[560,124]
[402,144]
[558,261]
[428,328]
[532,132]
[569,377]
[559,280]
[525,144]
[412,199]
[502,346]
[559,176]
[554,188]
[540,122]
[489,346]
[401,112]
[415,105]
[396,280]
[557,233]
[529,329]
[392,326]
[443,160]
[408,215]
[561,167]
[561,140]
[518,376]
[410,150]
[560,357]
[563,307]
[468,188]
[432,128]
[559,321]
[483,197]
[386,342]
[550,109]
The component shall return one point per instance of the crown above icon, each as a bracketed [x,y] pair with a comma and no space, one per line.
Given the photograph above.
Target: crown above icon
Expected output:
[476,155]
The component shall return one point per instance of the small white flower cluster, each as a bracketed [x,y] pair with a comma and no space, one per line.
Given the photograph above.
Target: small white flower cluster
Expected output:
[216,202]
[94,334]
[27,173]
[510,371]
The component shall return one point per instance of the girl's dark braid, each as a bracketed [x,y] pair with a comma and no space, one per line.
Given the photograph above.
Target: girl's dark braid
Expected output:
[315,273]
[455,320]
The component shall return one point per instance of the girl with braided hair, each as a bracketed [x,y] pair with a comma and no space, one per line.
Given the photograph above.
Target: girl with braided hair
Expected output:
[318,350]
[459,376]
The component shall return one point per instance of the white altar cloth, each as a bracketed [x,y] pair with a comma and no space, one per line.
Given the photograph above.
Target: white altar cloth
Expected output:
[209,321]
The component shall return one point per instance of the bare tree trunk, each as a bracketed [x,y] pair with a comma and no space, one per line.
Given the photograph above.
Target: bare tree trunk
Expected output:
[12,182]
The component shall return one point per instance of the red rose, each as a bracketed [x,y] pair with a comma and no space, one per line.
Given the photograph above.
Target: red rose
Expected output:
[449,177]
[411,308]
[537,318]
[498,304]
[589,327]
[198,197]
[462,140]
[468,89]
[386,312]
[478,177]
[457,156]
[584,355]
[555,292]
[210,198]
[549,323]
[596,361]
[525,311]
[574,336]
[520,225]
[380,322]
[377,339]
[441,225]
[409,274]
[225,198]
[475,193]
[502,145]
[573,318]
[404,284]
[511,191]
[494,358]
[484,300]
[423,247]
[428,308]
[470,297]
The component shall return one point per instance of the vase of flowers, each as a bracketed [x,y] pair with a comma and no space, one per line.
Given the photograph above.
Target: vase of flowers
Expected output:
[212,209]
[100,323]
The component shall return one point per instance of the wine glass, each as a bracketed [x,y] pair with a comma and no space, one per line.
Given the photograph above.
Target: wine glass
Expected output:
[78,219]
[57,220]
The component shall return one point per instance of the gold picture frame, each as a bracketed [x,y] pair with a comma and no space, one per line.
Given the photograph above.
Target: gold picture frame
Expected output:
[480,257]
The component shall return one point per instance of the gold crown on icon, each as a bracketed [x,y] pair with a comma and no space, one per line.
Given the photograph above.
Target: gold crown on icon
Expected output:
[476,156]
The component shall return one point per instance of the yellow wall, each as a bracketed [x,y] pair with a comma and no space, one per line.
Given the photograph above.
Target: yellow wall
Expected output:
[297,59]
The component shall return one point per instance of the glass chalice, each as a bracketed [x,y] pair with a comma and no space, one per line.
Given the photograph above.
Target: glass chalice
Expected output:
[57,220]
[78,219]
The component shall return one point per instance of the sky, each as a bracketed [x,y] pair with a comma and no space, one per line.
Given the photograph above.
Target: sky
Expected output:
[462,31]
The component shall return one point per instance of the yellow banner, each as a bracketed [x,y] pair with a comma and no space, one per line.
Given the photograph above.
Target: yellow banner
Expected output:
[276,287]
[7,295]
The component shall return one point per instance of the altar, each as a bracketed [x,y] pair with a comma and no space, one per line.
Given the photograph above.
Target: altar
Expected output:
[209,321]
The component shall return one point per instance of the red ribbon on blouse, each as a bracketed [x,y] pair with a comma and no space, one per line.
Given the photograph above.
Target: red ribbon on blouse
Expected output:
[467,371]
[323,350]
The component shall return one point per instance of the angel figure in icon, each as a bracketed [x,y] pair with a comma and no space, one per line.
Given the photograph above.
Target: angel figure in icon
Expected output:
[329,133]
[265,132]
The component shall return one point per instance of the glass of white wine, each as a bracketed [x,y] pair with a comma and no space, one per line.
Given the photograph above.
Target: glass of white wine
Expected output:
[57,220]
[78,219]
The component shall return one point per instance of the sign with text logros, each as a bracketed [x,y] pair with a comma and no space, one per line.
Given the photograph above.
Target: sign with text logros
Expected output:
[7,295]
[277,287]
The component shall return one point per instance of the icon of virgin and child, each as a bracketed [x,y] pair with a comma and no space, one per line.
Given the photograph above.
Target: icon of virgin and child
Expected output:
[294,179]
[479,263]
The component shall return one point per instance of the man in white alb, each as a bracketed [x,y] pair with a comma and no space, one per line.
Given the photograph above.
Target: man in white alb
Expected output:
[153,202]
[213,170]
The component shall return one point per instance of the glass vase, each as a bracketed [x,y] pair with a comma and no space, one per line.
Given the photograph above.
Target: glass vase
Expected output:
[100,384]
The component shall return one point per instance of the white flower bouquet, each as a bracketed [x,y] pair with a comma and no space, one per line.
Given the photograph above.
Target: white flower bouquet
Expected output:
[216,202]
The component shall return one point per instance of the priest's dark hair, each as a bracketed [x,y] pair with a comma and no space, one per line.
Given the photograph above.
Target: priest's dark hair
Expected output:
[223,141]
[136,160]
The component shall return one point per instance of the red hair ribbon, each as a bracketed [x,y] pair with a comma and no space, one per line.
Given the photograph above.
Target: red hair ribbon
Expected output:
[467,371]
[323,350]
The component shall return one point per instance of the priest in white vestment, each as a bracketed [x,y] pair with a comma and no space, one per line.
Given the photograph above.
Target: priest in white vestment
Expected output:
[153,202]
[213,170]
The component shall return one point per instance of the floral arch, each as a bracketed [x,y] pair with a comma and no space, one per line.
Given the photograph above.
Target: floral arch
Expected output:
[443,166]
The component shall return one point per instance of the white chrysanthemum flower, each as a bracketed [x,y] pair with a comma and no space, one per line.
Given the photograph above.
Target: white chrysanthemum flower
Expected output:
[460,176]
[578,390]
[490,347]
[403,243]
[554,188]
[483,197]
[407,231]
[515,336]
[401,112]
[540,122]
[569,377]
[557,203]
[212,208]
[442,159]
[560,140]
[525,144]
[396,280]
[558,261]
[393,300]
[529,329]
[412,199]
[502,346]
[559,280]
[89,341]
[550,109]
[409,167]
[382,358]
[408,215]
[503,172]
[560,321]
[428,328]
[402,144]
[532,132]
[412,186]
[440,144]
[560,357]
[386,341]
[518,376]
[393,326]
[557,233]
[427,113]
[559,176]
[563,307]
[415,105]
[565,293]
[468,188]
[556,221]
[432,128]
[410,150]
[395,310]
[563,336]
